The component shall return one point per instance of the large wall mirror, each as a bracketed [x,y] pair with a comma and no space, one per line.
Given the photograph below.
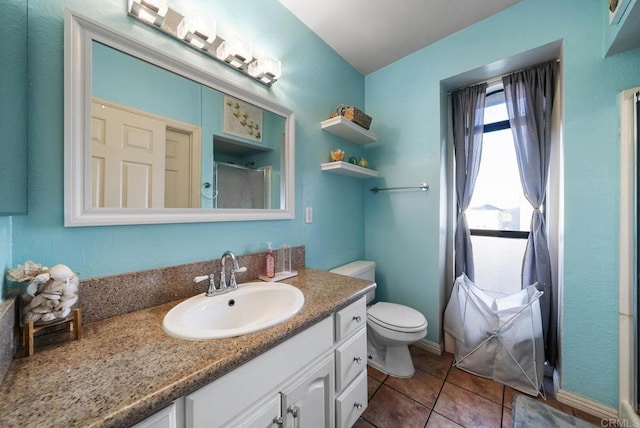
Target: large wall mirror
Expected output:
[152,139]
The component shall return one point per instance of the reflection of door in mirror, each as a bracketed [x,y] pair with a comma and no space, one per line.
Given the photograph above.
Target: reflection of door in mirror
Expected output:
[147,93]
[141,160]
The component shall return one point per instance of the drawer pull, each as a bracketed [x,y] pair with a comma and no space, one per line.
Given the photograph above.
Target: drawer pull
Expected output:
[358,360]
[357,405]
[357,318]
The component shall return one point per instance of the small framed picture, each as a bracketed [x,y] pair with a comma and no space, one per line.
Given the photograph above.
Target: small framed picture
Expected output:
[242,119]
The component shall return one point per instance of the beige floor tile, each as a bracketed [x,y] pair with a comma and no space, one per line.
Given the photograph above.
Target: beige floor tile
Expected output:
[436,420]
[437,365]
[372,386]
[421,387]
[509,394]
[506,418]
[468,409]
[390,409]
[361,423]
[376,374]
[481,386]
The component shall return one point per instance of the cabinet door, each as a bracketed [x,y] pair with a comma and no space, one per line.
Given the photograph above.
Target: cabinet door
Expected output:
[264,415]
[308,402]
[169,417]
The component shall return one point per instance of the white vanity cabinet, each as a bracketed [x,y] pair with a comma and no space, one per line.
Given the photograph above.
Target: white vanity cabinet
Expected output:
[315,379]
[171,416]
[351,363]
[309,401]
[240,396]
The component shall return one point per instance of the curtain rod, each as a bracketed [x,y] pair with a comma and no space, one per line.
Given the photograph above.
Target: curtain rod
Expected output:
[497,79]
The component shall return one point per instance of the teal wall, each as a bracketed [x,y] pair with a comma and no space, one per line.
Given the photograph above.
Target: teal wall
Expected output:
[5,252]
[13,107]
[315,79]
[403,230]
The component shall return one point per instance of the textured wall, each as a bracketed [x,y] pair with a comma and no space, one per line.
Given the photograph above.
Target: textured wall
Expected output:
[403,230]
[13,107]
[315,79]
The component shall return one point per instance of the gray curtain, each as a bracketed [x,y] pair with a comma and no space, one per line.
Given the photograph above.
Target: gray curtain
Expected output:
[530,94]
[468,118]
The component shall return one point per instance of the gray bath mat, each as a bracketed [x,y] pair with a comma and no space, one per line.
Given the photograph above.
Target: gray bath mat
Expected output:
[530,413]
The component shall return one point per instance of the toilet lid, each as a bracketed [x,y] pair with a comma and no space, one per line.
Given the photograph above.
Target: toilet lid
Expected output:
[396,317]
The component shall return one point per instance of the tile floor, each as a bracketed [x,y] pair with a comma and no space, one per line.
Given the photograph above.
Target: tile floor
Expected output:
[439,395]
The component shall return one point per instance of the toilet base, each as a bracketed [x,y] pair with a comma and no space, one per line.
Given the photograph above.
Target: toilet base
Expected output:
[392,360]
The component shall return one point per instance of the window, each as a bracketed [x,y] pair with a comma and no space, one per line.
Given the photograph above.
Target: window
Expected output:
[499,215]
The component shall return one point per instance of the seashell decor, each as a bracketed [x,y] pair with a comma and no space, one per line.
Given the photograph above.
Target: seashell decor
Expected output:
[51,293]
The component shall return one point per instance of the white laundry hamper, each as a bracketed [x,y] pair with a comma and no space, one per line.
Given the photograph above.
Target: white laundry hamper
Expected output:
[500,339]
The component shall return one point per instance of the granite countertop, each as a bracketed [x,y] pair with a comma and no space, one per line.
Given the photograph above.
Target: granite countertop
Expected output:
[125,368]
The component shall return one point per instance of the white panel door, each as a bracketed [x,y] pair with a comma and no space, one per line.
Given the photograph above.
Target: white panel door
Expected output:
[129,152]
[179,172]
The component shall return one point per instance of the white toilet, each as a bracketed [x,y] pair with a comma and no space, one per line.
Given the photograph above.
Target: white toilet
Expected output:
[391,328]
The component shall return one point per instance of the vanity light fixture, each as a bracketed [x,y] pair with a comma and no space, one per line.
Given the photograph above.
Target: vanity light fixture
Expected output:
[149,11]
[265,68]
[235,51]
[199,33]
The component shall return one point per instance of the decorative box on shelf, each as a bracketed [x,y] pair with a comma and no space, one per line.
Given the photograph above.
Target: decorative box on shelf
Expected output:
[354,115]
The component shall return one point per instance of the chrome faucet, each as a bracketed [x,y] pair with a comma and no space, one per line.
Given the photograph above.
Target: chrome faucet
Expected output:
[212,290]
[234,268]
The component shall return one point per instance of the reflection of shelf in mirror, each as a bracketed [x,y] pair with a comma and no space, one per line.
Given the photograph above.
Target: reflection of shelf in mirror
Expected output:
[350,170]
[229,145]
[348,130]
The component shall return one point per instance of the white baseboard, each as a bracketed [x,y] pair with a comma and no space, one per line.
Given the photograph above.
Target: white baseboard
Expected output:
[427,345]
[587,405]
[628,417]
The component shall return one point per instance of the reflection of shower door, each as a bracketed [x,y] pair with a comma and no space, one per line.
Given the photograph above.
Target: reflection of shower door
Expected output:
[240,187]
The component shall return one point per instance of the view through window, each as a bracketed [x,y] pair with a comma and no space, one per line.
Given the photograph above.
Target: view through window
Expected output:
[499,215]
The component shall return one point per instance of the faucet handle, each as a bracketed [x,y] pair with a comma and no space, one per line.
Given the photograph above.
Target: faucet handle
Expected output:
[240,270]
[200,278]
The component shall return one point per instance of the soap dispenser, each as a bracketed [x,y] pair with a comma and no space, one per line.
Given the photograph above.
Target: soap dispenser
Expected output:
[269,262]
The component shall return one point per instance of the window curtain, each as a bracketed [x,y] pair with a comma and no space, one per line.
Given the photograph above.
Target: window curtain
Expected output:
[530,95]
[468,119]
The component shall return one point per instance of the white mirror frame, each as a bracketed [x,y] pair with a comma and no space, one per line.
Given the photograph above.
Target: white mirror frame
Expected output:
[79,33]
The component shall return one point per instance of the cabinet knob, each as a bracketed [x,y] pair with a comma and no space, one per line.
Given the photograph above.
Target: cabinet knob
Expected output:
[357,405]
[357,318]
[358,360]
[278,421]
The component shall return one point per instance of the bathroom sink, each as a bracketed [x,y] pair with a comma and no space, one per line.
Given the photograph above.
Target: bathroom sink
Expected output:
[253,306]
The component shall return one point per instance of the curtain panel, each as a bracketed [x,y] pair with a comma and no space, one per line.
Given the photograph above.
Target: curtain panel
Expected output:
[468,127]
[530,95]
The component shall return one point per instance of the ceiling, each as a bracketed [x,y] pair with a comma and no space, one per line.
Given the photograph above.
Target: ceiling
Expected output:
[370,34]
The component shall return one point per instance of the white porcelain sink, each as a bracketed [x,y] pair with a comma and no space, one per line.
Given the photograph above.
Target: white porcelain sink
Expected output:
[252,307]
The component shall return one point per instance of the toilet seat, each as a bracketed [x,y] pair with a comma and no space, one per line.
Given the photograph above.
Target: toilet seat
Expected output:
[396,317]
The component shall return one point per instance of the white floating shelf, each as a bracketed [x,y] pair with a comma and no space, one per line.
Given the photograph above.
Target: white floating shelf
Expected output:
[350,170]
[348,130]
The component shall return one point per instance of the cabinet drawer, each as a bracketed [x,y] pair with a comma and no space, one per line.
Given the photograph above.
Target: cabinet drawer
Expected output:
[351,359]
[352,402]
[351,319]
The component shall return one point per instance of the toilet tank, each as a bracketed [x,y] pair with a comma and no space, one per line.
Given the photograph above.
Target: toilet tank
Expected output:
[362,269]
